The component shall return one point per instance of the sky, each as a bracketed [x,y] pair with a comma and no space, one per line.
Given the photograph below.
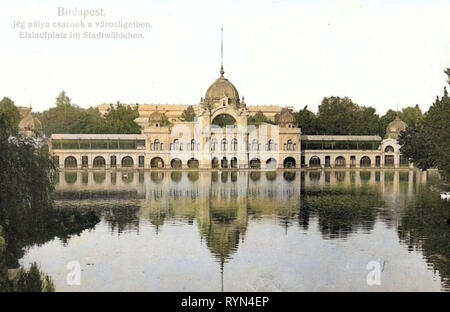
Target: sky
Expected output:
[384,54]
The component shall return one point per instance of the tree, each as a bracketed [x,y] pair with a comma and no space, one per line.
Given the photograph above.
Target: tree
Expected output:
[120,119]
[367,121]
[9,117]
[427,144]
[412,115]
[27,215]
[188,114]
[340,116]
[417,146]
[63,100]
[307,121]
[33,280]
[66,117]
[258,118]
[437,123]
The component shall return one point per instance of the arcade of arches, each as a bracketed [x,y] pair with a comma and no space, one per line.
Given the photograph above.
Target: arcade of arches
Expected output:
[220,137]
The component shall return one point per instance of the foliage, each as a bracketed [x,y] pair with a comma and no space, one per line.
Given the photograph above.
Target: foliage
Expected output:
[340,116]
[340,212]
[425,225]
[258,118]
[417,146]
[27,215]
[427,144]
[9,118]
[120,119]
[32,281]
[224,120]
[413,116]
[188,114]
[66,117]
[307,120]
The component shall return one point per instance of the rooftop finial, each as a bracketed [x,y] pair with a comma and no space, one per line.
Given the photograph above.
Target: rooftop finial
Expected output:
[221,53]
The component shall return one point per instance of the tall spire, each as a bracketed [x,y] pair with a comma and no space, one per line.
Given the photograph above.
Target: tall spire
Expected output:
[221,53]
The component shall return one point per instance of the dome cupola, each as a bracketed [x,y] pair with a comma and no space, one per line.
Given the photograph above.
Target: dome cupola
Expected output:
[222,88]
[286,118]
[394,128]
[155,119]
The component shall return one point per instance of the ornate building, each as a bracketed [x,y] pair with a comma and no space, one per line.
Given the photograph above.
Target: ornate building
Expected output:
[221,137]
[168,142]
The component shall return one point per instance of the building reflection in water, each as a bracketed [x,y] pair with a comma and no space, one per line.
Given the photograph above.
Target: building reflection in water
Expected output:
[221,203]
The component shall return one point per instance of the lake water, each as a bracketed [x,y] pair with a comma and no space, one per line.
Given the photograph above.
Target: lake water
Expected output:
[252,231]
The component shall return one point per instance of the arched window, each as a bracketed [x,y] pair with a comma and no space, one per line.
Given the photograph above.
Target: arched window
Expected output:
[193,145]
[224,144]
[156,145]
[175,145]
[314,161]
[339,161]
[234,144]
[254,145]
[289,145]
[213,144]
[365,161]
[270,145]
[389,149]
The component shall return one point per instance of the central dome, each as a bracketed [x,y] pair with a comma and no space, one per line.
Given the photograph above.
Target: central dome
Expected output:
[220,88]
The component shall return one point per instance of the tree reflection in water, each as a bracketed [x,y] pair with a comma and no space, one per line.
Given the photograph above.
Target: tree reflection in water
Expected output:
[425,226]
[342,203]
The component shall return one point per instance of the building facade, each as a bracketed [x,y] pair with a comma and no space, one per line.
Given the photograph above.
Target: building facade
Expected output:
[168,142]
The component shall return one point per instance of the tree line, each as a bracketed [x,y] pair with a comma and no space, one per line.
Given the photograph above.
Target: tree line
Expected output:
[341,116]
[336,116]
[67,117]
[427,143]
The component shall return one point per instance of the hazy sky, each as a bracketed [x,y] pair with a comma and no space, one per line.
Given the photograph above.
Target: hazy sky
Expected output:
[289,53]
